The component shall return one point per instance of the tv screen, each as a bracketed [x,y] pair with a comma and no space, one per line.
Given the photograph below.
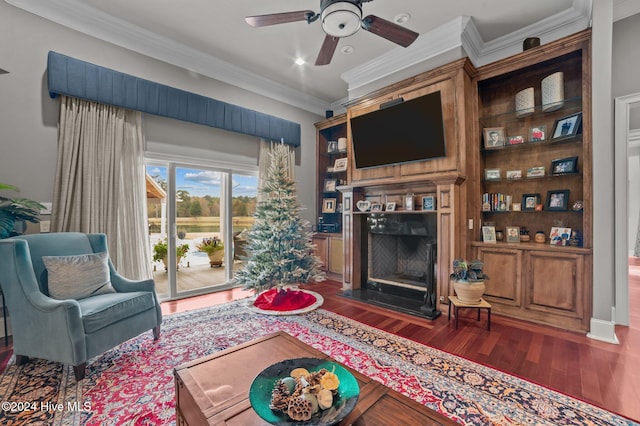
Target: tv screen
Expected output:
[408,131]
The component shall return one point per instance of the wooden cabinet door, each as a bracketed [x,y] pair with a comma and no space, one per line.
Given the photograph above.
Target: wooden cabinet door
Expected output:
[336,257]
[322,249]
[553,283]
[503,266]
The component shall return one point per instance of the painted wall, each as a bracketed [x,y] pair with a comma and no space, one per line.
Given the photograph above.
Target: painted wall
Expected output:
[28,116]
[625,65]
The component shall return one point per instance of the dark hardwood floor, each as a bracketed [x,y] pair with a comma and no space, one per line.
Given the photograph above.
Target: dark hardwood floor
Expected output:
[603,374]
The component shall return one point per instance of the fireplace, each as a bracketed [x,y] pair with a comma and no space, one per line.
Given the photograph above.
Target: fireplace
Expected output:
[401,251]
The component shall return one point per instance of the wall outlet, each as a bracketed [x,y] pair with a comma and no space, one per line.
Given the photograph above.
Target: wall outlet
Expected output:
[470,223]
[45,226]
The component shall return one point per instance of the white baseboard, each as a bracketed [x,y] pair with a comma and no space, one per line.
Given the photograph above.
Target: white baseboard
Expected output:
[604,331]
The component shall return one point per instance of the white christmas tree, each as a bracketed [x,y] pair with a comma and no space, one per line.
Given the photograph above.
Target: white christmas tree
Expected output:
[279,244]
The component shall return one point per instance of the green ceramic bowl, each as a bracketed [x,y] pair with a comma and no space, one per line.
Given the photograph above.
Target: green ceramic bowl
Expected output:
[263,384]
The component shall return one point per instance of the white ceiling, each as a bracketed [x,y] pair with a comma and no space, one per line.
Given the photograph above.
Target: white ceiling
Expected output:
[211,37]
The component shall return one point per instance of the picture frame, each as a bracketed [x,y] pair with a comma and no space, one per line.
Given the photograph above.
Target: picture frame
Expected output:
[408,202]
[515,140]
[529,202]
[514,174]
[559,236]
[516,207]
[489,234]
[493,137]
[564,166]
[429,203]
[491,174]
[390,207]
[557,200]
[330,185]
[332,147]
[512,234]
[329,205]
[535,172]
[376,207]
[566,127]
[538,133]
[340,165]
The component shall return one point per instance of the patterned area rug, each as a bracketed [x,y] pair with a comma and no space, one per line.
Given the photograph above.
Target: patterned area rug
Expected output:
[133,383]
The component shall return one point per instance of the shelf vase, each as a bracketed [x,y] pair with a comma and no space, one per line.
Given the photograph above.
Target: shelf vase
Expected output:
[469,292]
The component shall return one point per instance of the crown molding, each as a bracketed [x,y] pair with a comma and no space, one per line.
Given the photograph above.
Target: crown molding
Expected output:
[78,16]
[463,32]
[426,46]
[562,24]
[625,8]
[634,138]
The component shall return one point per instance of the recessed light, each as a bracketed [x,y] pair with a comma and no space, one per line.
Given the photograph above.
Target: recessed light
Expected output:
[402,18]
[300,61]
[347,49]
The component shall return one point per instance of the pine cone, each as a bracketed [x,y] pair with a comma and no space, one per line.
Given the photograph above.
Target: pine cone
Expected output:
[280,397]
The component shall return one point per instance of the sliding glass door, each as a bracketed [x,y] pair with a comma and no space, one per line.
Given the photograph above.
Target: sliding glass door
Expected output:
[198,214]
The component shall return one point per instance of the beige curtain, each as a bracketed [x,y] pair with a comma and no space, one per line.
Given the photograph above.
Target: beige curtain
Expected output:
[100,181]
[264,160]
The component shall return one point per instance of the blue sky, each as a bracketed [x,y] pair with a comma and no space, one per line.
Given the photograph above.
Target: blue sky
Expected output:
[205,182]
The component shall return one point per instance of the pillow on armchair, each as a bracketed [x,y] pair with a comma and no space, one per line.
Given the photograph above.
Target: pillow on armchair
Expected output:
[78,277]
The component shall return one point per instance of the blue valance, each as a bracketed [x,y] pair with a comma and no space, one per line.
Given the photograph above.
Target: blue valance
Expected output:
[73,77]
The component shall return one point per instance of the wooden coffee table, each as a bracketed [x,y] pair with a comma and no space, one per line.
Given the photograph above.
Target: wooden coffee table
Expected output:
[214,390]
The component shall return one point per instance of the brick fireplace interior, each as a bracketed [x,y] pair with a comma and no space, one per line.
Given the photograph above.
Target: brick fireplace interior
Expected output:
[401,263]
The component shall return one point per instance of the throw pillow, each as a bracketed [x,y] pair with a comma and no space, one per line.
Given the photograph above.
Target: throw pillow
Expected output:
[78,277]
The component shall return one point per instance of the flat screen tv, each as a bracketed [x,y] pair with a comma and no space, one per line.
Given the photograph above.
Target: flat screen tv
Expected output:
[406,131]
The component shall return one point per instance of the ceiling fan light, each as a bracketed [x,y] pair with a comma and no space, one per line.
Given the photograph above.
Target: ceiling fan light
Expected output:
[341,19]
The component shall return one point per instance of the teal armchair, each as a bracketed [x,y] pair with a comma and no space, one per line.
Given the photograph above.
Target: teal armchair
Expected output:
[70,331]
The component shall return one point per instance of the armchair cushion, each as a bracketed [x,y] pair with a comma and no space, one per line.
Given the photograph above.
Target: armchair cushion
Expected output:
[101,311]
[79,276]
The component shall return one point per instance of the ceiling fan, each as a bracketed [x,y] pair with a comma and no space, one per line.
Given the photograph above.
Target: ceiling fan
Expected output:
[340,18]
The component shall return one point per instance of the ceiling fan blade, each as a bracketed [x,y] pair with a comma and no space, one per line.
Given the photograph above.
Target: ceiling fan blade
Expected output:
[279,18]
[387,29]
[326,51]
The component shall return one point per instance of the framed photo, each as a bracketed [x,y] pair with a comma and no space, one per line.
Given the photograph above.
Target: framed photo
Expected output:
[515,140]
[534,172]
[559,236]
[529,202]
[329,205]
[340,165]
[563,166]
[332,147]
[493,137]
[567,127]
[429,203]
[489,234]
[491,174]
[376,207]
[557,200]
[330,185]
[516,207]
[537,133]
[514,174]
[390,207]
[513,234]
[408,202]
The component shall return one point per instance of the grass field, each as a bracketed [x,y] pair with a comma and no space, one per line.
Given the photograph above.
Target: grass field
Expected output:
[203,224]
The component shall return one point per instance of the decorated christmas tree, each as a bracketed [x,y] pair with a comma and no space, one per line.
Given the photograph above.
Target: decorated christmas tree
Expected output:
[279,245]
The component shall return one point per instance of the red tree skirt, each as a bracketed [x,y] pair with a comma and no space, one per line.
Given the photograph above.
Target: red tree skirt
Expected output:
[284,300]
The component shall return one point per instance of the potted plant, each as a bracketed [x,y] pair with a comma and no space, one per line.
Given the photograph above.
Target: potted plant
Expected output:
[14,209]
[161,248]
[214,248]
[468,280]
